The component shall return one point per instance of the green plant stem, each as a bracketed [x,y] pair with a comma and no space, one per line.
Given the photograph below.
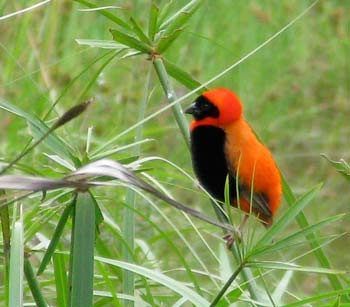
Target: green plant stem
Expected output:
[227,284]
[129,215]
[171,97]
[33,284]
[163,76]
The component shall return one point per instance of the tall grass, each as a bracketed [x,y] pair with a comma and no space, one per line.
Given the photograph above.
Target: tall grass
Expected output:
[103,242]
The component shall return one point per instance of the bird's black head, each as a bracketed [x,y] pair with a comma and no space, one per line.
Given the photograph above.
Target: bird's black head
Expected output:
[202,108]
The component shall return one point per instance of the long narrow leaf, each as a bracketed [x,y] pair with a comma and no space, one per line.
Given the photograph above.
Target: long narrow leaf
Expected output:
[293,267]
[166,41]
[34,284]
[16,265]
[6,241]
[181,76]
[172,28]
[319,298]
[284,243]
[61,279]
[101,43]
[82,269]
[288,217]
[181,17]
[55,238]
[160,278]
[130,41]
[106,13]
[152,21]
[139,32]
[39,128]
[312,238]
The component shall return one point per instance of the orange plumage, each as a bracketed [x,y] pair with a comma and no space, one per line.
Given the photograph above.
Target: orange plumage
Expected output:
[223,144]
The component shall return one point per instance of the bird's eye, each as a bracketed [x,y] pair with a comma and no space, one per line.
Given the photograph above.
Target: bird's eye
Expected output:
[205,105]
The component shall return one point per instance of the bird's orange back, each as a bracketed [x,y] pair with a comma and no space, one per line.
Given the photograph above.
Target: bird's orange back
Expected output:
[253,162]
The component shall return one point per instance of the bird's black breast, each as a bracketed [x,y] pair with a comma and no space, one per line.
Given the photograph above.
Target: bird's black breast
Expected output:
[209,161]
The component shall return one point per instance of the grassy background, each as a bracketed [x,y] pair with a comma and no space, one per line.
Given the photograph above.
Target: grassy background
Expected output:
[295,93]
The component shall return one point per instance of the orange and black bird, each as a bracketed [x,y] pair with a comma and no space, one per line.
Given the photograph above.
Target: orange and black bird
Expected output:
[223,144]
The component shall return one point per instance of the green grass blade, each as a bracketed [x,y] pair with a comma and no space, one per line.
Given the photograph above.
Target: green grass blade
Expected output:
[181,76]
[181,17]
[16,265]
[172,27]
[153,20]
[139,32]
[109,284]
[55,238]
[34,284]
[100,43]
[164,12]
[39,129]
[61,280]
[275,265]
[166,41]
[82,268]
[312,238]
[106,14]
[284,243]
[319,298]
[160,278]
[130,41]
[6,241]
[288,217]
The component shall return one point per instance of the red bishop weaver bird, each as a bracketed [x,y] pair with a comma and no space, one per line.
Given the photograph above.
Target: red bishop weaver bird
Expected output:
[223,144]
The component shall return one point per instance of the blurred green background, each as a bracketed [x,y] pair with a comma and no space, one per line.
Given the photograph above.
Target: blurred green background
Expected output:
[295,91]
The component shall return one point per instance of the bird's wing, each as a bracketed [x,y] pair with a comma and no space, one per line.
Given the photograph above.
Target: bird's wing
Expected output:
[260,201]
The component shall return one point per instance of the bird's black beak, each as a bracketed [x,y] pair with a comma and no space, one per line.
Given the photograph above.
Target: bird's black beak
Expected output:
[191,109]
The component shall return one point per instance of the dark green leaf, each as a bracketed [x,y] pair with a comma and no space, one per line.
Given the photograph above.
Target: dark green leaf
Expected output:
[285,242]
[98,212]
[82,268]
[166,41]
[130,41]
[61,279]
[55,238]
[180,18]
[34,284]
[152,21]
[288,217]
[312,238]
[181,76]
[139,32]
